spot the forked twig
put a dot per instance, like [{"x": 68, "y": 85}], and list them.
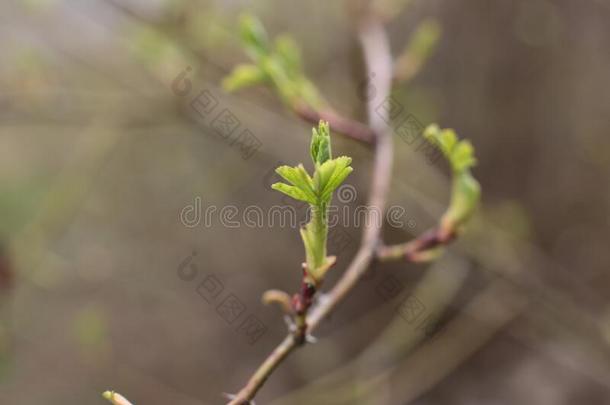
[{"x": 378, "y": 59}]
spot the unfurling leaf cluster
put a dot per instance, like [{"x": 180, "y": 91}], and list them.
[
  {"x": 275, "y": 63},
  {"x": 466, "y": 191},
  {"x": 317, "y": 190}
]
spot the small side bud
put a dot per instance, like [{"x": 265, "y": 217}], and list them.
[
  {"x": 320, "y": 143},
  {"x": 278, "y": 297},
  {"x": 116, "y": 398}
]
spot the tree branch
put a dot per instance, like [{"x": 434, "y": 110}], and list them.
[
  {"x": 378, "y": 61},
  {"x": 340, "y": 124},
  {"x": 420, "y": 249}
]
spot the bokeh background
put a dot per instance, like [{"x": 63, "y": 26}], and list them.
[{"x": 103, "y": 286}]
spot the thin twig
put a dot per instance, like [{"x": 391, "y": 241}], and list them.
[
  {"x": 340, "y": 124},
  {"x": 420, "y": 249},
  {"x": 378, "y": 61}
]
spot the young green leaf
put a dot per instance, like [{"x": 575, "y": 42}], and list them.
[
  {"x": 299, "y": 178},
  {"x": 463, "y": 156},
  {"x": 424, "y": 39},
  {"x": 293, "y": 191},
  {"x": 254, "y": 36},
  {"x": 466, "y": 190},
  {"x": 464, "y": 199},
  {"x": 288, "y": 52},
  {"x": 460, "y": 154},
  {"x": 418, "y": 50},
  {"x": 341, "y": 171},
  {"x": 243, "y": 76}
]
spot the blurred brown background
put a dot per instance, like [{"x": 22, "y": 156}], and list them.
[{"x": 99, "y": 287}]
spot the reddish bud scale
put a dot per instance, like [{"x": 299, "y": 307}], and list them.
[{"x": 301, "y": 302}]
